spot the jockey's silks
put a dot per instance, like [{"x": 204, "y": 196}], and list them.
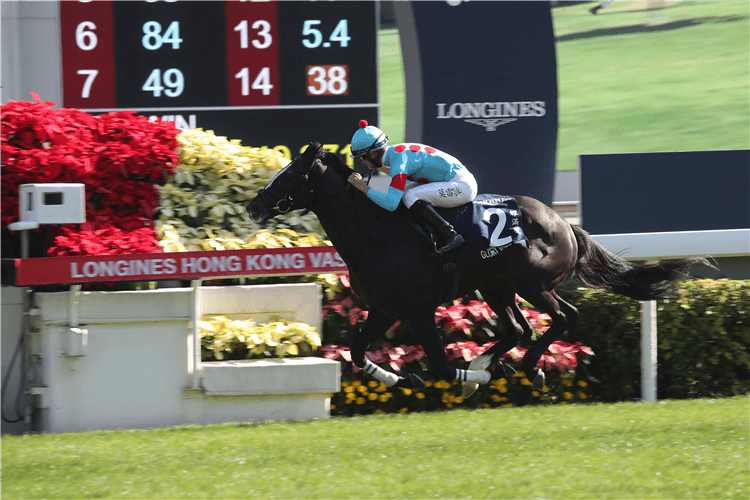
[{"x": 413, "y": 162}]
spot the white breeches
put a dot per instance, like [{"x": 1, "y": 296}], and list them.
[{"x": 459, "y": 190}]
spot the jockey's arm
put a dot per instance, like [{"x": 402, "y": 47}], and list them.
[
  {"x": 388, "y": 200},
  {"x": 391, "y": 199}
]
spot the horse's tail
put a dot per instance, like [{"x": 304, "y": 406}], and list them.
[{"x": 597, "y": 267}]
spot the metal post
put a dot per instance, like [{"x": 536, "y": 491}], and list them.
[
  {"x": 195, "y": 314},
  {"x": 74, "y": 303},
  {"x": 26, "y": 337},
  {"x": 24, "y": 244},
  {"x": 648, "y": 351}
]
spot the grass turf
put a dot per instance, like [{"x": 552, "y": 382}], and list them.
[
  {"x": 635, "y": 78},
  {"x": 671, "y": 449}
]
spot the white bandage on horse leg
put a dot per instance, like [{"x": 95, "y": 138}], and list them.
[
  {"x": 477, "y": 376},
  {"x": 387, "y": 378}
]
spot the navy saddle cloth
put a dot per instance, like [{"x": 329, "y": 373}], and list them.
[{"x": 489, "y": 224}]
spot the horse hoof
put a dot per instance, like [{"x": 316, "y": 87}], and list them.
[
  {"x": 411, "y": 381},
  {"x": 416, "y": 381},
  {"x": 481, "y": 362},
  {"x": 468, "y": 389},
  {"x": 508, "y": 371},
  {"x": 538, "y": 381}
]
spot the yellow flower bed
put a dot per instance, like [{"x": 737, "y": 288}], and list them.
[
  {"x": 362, "y": 396},
  {"x": 202, "y": 207},
  {"x": 226, "y": 338}
]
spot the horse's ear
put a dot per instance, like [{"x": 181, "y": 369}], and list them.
[
  {"x": 321, "y": 150},
  {"x": 312, "y": 149}
]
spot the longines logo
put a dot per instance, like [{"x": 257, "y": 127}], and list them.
[{"x": 491, "y": 115}]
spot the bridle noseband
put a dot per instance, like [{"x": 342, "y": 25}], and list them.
[{"x": 286, "y": 203}]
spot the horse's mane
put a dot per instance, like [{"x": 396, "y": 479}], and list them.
[{"x": 332, "y": 160}]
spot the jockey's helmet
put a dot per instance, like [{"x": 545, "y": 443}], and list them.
[{"x": 366, "y": 139}]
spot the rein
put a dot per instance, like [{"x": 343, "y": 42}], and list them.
[{"x": 286, "y": 203}]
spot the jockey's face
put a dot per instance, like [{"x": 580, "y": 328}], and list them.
[{"x": 373, "y": 160}]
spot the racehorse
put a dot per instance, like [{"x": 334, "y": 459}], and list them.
[{"x": 391, "y": 269}]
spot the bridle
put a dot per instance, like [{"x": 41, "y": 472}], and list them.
[{"x": 286, "y": 203}]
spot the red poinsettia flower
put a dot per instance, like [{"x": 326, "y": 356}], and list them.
[{"x": 119, "y": 157}]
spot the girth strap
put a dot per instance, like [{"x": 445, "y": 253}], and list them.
[{"x": 449, "y": 282}]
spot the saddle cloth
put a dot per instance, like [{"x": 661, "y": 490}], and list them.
[{"x": 489, "y": 225}]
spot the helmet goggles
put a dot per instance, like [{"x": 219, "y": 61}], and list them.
[{"x": 366, "y": 139}]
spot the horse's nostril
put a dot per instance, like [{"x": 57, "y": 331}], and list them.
[{"x": 254, "y": 208}]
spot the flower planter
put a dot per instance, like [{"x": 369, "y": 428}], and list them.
[
  {"x": 263, "y": 389},
  {"x": 262, "y": 377}
]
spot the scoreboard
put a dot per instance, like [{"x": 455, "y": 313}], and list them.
[{"x": 273, "y": 74}]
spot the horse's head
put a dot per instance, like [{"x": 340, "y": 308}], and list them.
[{"x": 290, "y": 189}]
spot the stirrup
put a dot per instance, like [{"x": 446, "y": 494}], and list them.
[{"x": 454, "y": 241}]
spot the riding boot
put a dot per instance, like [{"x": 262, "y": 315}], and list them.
[{"x": 452, "y": 239}]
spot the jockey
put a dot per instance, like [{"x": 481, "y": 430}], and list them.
[{"x": 421, "y": 176}]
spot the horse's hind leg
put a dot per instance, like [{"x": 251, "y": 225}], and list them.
[
  {"x": 502, "y": 300},
  {"x": 563, "y": 317}
]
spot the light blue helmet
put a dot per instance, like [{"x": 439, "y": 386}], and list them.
[{"x": 366, "y": 139}]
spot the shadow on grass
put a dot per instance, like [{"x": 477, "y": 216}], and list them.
[{"x": 643, "y": 28}]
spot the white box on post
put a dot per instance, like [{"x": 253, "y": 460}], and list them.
[
  {"x": 74, "y": 342},
  {"x": 54, "y": 203}
]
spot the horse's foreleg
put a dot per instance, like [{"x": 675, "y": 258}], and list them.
[
  {"x": 502, "y": 300},
  {"x": 426, "y": 330},
  {"x": 374, "y": 326}
]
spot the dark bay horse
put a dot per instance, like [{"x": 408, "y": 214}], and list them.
[{"x": 391, "y": 269}]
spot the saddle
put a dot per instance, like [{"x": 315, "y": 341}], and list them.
[{"x": 489, "y": 225}]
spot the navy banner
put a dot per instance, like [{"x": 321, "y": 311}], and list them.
[
  {"x": 481, "y": 84},
  {"x": 665, "y": 192}
]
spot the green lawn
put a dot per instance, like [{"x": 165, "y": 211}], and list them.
[
  {"x": 633, "y": 78},
  {"x": 695, "y": 449}
]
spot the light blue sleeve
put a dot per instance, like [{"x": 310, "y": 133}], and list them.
[{"x": 388, "y": 200}]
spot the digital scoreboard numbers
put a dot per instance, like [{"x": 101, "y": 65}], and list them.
[
  {"x": 88, "y": 55},
  {"x": 332, "y": 53},
  {"x": 275, "y": 74},
  {"x": 252, "y": 42},
  {"x": 169, "y": 54}
]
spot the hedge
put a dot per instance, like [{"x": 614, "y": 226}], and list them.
[{"x": 703, "y": 340}]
